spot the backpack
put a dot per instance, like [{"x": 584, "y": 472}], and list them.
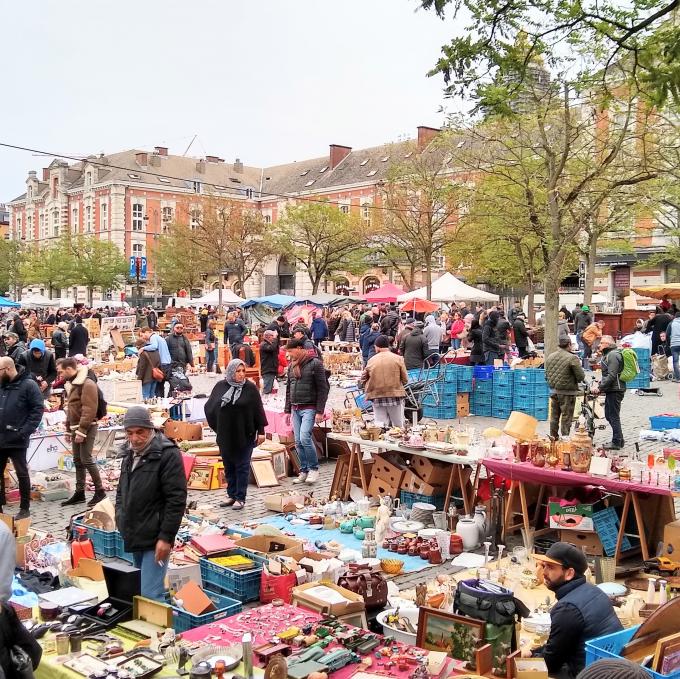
[
  {"x": 631, "y": 369},
  {"x": 101, "y": 404}
]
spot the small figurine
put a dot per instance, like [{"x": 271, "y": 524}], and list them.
[
  {"x": 421, "y": 594},
  {"x": 383, "y": 522}
]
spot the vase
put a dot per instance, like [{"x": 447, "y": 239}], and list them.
[{"x": 469, "y": 532}]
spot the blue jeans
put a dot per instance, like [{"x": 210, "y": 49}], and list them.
[
  {"x": 153, "y": 575},
  {"x": 210, "y": 359},
  {"x": 237, "y": 471},
  {"x": 455, "y": 343},
  {"x": 675, "y": 353},
  {"x": 148, "y": 390},
  {"x": 268, "y": 382},
  {"x": 303, "y": 423}
]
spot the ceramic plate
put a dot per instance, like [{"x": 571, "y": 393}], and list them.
[
  {"x": 425, "y": 506},
  {"x": 613, "y": 588},
  {"x": 403, "y": 526}
]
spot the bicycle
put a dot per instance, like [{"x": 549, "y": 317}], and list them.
[{"x": 588, "y": 409}]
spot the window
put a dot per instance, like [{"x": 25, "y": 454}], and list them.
[
  {"x": 88, "y": 218},
  {"x": 163, "y": 180},
  {"x": 197, "y": 187},
  {"x": 310, "y": 182},
  {"x": 88, "y": 178},
  {"x": 74, "y": 219},
  {"x": 363, "y": 162},
  {"x": 137, "y": 217},
  {"x": 29, "y": 226},
  {"x": 18, "y": 227},
  {"x": 55, "y": 223},
  {"x": 137, "y": 250},
  {"x": 302, "y": 174},
  {"x": 249, "y": 193},
  {"x": 366, "y": 213},
  {"x": 267, "y": 219},
  {"x": 371, "y": 173},
  {"x": 344, "y": 209},
  {"x": 134, "y": 175},
  {"x": 103, "y": 216},
  {"x": 167, "y": 214},
  {"x": 195, "y": 219},
  {"x": 323, "y": 169},
  {"x": 30, "y": 193},
  {"x": 41, "y": 223}
]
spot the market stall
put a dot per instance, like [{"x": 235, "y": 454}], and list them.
[{"x": 448, "y": 288}]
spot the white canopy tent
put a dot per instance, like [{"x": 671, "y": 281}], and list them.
[
  {"x": 448, "y": 288},
  {"x": 568, "y": 299},
  {"x": 228, "y": 297},
  {"x": 36, "y": 300}
]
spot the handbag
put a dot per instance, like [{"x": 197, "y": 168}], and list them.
[
  {"x": 22, "y": 665},
  {"x": 372, "y": 586},
  {"x": 274, "y": 586},
  {"x": 157, "y": 374},
  {"x": 488, "y": 602}
]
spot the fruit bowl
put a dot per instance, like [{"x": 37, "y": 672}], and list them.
[{"x": 391, "y": 566}]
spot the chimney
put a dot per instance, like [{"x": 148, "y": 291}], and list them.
[
  {"x": 161, "y": 150},
  {"x": 200, "y": 166},
  {"x": 32, "y": 174},
  {"x": 214, "y": 159},
  {"x": 142, "y": 158},
  {"x": 46, "y": 174},
  {"x": 426, "y": 135},
  {"x": 338, "y": 153},
  {"x": 238, "y": 166},
  {"x": 155, "y": 160}
]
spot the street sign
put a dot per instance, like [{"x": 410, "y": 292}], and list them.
[
  {"x": 581, "y": 275},
  {"x": 133, "y": 267}
]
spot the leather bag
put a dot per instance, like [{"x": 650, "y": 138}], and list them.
[
  {"x": 157, "y": 374},
  {"x": 372, "y": 586},
  {"x": 489, "y": 602}
]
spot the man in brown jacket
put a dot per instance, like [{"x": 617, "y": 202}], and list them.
[
  {"x": 384, "y": 379},
  {"x": 591, "y": 340},
  {"x": 81, "y": 427}
]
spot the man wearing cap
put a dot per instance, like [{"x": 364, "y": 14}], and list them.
[
  {"x": 521, "y": 333},
  {"x": 563, "y": 372},
  {"x": 582, "y": 611},
  {"x": 384, "y": 379},
  {"x": 40, "y": 363},
  {"x": 150, "y": 500},
  {"x": 613, "y": 388}
]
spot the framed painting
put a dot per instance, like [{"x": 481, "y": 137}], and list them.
[{"x": 456, "y": 635}]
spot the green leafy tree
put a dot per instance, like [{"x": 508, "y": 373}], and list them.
[
  {"x": 590, "y": 41},
  {"x": 180, "y": 262},
  {"x": 13, "y": 255},
  {"x": 98, "y": 264},
  {"x": 52, "y": 265},
  {"x": 321, "y": 238}
]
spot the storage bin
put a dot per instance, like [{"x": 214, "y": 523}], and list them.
[
  {"x": 661, "y": 422},
  {"x": 226, "y": 606},
  {"x": 407, "y": 499},
  {"x": 529, "y": 376},
  {"x": 105, "y": 542},
  {"x": 440, "y": 412},
  {"x": 483, "y": 372},
  {"x": 242, "y": 585},
  {"x": 481, "y": 409},
  {"x": 502, "y": 377}
]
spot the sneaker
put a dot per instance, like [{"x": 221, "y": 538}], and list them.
[
  {"x": 98, "y": 496},
  {"x": 302, "y": 477},
  {"x": 313, "y": 476},
  {"x": 227, "y": 503},
  {"x": 238, "y": 505},
  {"x": 22, "y": 514},
  {"x": 75, "y": 499}
]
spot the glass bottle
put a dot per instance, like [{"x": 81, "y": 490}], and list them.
[{"x": 369, "y": 547}]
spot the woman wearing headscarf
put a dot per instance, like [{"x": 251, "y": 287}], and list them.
[{"x": 235, "y": 412}]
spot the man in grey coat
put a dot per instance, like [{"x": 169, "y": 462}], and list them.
[{"x": 613, "y": 388}]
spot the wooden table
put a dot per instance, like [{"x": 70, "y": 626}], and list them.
[
  {"x": 457, "y": 462},
  {"x": 521, "y": 474}
]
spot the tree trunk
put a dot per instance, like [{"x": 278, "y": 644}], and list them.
[
  {"x": 591, "y": 258},
  {"x": 90, "y": 295},
  {"x": 551, "y": 289},
  {"x": 530, "y": 302},
  {"x": 428, "y": 276},
  {"x": 315, "y": 284}
]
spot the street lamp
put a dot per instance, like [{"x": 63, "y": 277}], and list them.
[{"x": 155, "y": 235}]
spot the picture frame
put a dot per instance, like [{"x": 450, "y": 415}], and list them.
[
  {"x": 667, "y": 654},
  {"x": 280, "y": 464},
  {"x": 263, "y": 471},
  {"x": 458, "y": 636}
]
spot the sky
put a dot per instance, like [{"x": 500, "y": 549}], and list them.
[{"x": 267, "y": 81}]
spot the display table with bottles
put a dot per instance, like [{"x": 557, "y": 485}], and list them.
[{"x": 652, "y": 502}]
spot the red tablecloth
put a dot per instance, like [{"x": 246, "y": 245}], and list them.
[
  {"x": 525, "y": 471},
  {"x": 459, "y": 360}
]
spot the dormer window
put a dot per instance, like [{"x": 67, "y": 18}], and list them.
[
  {"x": 88, "y": 178},
  {"x": 30, "y": 193}
]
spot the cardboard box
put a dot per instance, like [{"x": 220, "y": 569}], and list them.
[
  {"x": 378, "y": 488},
  {"x": 389, "y": 469},
  {"x": 183, "y": 431},
  {"x": 589, "y": 542},
  {"x": 671, "y": 539},
  {"x": 431, "y": 471},
  {"x": 177, "y": 576},
  {"x": 309, "y": 596},
  {"x": 195, "y": 600},
  {"x": 414, "y": 484},
  {"x": 462, "y": 405},
  {"x": 283, "y": 502},
  {"x": 268, "y": 544},
  {"x": 576, "y": 517},
  {"x": 530, "y": 668}
]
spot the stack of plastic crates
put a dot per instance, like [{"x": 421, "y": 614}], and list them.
[
  {"x": 482, "y": 390},
  {"x": 224, "y": 607},
  {"x": 501, "y": 402},
  {"x": 531, "y": 393},
  {"x": 643, "y": 379},
  {"x": 104, "y": 542},
  {"x": 444, "y": 407},
  {"x": 464, "y": 378},
  {"x": 241, "y": 585}
]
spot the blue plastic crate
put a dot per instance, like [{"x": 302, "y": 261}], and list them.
[
  {"x": 465, "y": 373},
  {"x": 502, "y": 389},
  {"x": 643, "y": 354},
  {"x": 482, "y": 398},
  {"x": 242, "y": 585},
  {"x": 440, "y": 412},
  {"x": 105, "y": 542},
  {"x": 640, "y": 382},
  {"x": 502, "y": 378},
  {"x": 481, "y": 409},
  {"x": 406, "y": 499},
  {"x": 225, "y": 606},
  {"x": 611, "y": 645},
  {"x": 450, "y": 373},
  {"x": 120, "y": 549},
  {"x": 450, "y": 388},
  {"x": 501, "y": 401},
  {"x": 529, "y": 376},
  {"x": 482, "y": 386},
  {"x": 464, "y": 386},
  {"x": 501, "y": 413},
  {"x": 606, "y": 523},
  {"x": 661, "y": 422},
  {"x": 541, "y": 414},
  {"x": 539, "y": 389},
  {"x": 523, "y": 400}
]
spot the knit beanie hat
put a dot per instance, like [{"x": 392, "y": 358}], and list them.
[
  {"x": 613, "y": 669},
  {"x": 137, "y": 416}
]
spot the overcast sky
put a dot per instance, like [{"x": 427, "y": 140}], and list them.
[{"x": 268, "y": 81}]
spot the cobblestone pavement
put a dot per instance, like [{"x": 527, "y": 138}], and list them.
[{"x": 636, "y": 411}]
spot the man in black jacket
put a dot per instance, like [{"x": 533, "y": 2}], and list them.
[
  {"x": 269, "y": 360},
  {"x": 19, "y": 328},
  {"x": 521, "y": 334},
  {"x": 150, "y": 500},
  {"x": 390, "y": 323},
  {"x": 613, "y": 388},
  {"x": 40, "y": 364},
  {"x": 180, "y": 348},
  {"x": 21, "y": 409},
  {"x": 78, "y": 339},
  {"x": 15, "y": 347},
  {"x": 582, "y": 611},
  {"x": 306, "y": 397}
]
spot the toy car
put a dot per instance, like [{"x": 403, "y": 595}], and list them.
[{"x": 661, "y": 565}]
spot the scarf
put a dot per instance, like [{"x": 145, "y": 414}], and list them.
[{"x": 233, "y": 393}]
